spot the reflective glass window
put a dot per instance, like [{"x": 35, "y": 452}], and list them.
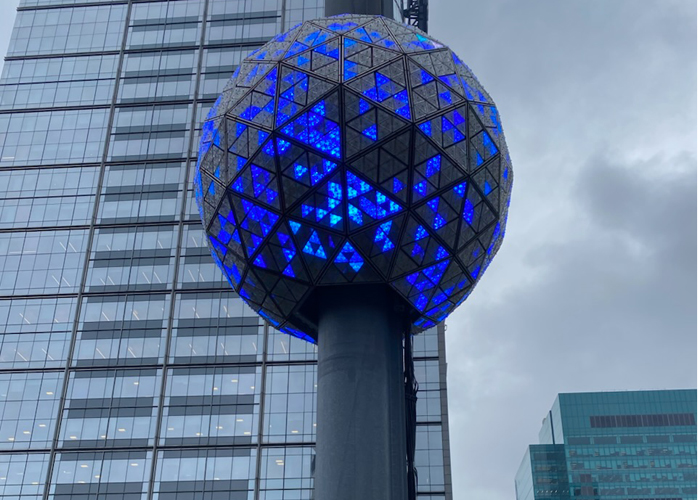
[
  {"x": 110, "y": 409},
  {"x": 35, "y": 332},
  {"x": 23, "y": 475},
  {"x": 299, "y": 11},
  {"x": 429, "y": 458},
  {"x": 150, "y": 132},
  {"x": 218, "y": 66},
  {"x": 29, "y": 405},
  {"x": 290, "y": 404},
  {"x": 42, "y": 95},
  {"x": 283, "y": 347},
  {"x": 49, "y": 137},
  {"x": 158, "y": 76},
  {"x": 47, "y": 197},
  {"x": 150, "y": 192},
  {"x": 122, "y": 330},
  {"x": 286, "y": 473},
  {"x": 215, "y": 327},
  {"x": 68, "y": 30},
  {"x": 42, "y": 261},
  {"x": 426, "y": 344},
  {"x": 211, "y": 406},
  {"x": 60, "y": 69},
  {"x": 197, "y": 268},
  {"x": 100, "y": 475},
  {"x": 132, "y": 258},
  {"x": 201, "y": 473},
  {"x": 165, "y": 24}
]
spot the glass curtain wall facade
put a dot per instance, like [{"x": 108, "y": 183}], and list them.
[
  {"x": 128, "y": 368},
  {"x": 637, "y": 445}
]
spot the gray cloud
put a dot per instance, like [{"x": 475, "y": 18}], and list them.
[{"x": 595, "y": 285}]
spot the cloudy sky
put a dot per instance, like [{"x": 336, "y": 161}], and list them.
[{"x": 595, "y": 286}]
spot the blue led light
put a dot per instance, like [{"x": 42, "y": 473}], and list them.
[
  {"x": 348, "y": 255},
  {"x": 371, "y": 132},
  {"x": 314, "y": 247},
  {"x": 381, "y": 237},
  {"x": 468, "y": 213}
]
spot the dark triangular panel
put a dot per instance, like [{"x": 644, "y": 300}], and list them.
[
  {"x": 318, "y": 127},
  {"x": 317, "y": 247},
  {"x": 367, "y": 203},
  {"x": 374, "y": 32},
  {"x": 324, "y": 206},
  {"x": 380, "y": 243}
]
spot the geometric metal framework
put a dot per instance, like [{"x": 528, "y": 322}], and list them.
[{"x": 353, "y": 150}]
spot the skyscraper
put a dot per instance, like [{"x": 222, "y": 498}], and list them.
[
  {"x": 128, "y": 368},
  {"x": 614, "y": 445}
]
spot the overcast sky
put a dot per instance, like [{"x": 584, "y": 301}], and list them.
[{"x": 595, "y": 286}]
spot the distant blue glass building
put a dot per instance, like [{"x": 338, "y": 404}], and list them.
[{"x": 637, "y": 445}]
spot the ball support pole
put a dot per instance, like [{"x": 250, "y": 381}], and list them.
[{"x": 361, "y": 423}]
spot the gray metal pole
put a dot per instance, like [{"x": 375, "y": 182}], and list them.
[
  {"x": 360, "y": 424},
  {"x": 381, "y": 7}
]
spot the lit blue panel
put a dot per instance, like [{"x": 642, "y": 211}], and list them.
[{"x": 348, "y": 255}]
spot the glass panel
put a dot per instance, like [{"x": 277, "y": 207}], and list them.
[
  {"x": 23, "y": 475},
  {"x": 68, "y": 30},
  {"x": 201, "y": 473},
  {"x": 286, "y": 473},
  {"x": 42, "y": 261},
  {"x": 94, "y": 475},
  {"x": 35, "y": 332},
  {"x": 290, "y": 404},
  {"x": 211, "y": 406},
  {"x": 122, "y": 330},
  {"x": 150, "y": 192},
  {"x": 47, "y": 197},
  {"x": 29, "y": 405},
  {"x": 140, "y": 258},
  {"x": 215, "y": 327},
  {"x": 52, "y": 137},
  {"x": 108, "y": 409}
]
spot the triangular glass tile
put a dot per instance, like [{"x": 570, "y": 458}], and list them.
[
  {"x": 318, "y": 127},
  {"x": 438, "y": 214},
  {"x": 284, "y": 255},
  {"x": 418, "y": 248},
  {"x": 433, "y": 174},
  {"x": 482, "y": 149},
  {"x": 250, "y": 73},
  {"x": 367, "y": 124},
  {"x": 374, "y": 32},
  {"x": 297, "y": 89},
  {"x": 243, "y": 142},
  {"x": 367, "y": 203},
  {"x": 316, "y": 246},
  {"x": 386, "y": 86},
  {"x": 380, "y": 243},
  {"x": 448, "y": 131},
  {"x": 340, "y": 24},
  {"x": 476, "y": 215},
  {"x": 412, "y": 40},
  {"x": 325, "y": 205},
  {"x": 256, "y": 222},
  {"x": 360, "y": 58},
  {"x": 258, "y": 183},
  {"x": 311, "y": 36}
]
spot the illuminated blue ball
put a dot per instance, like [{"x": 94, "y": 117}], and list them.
[{"x": 353, "y": 150}]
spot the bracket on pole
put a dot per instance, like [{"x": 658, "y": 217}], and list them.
[{"x": 416, "y": 14}]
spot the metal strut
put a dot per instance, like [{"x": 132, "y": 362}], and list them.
[
  {"x": 416, "y": 14},
  {"x": 411, "y": 390}
]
